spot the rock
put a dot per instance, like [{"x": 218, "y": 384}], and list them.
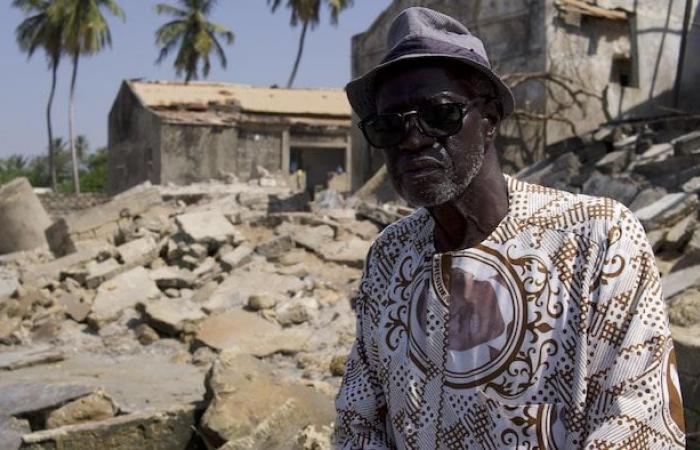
[
  {"x": 680, "y": 233},
  {"x": 255, "y": 200},
  {"x": 11, "y": 432},
  {"x": 254, "y": 408},
  {"x": 206, "y": 227},
  {"x": 77, "y": 304},
  {"x": 677, "y": 282},
  {"x": 276, "y": 247},
  {"x": 692, "y": 186},
  {"x": 99, "y": 272},
  {"x": 628, "y": 142},
  {"x": 352, "y": 253},
  {"x": 600, "y": 185},
  {"x": 146, "y": 335},
  {"x": 670, "y": 165},
  {"x": 239, "y": 256},
  {"x": 174, "y": 316},
  {"x": 139, "y": 252},
  {"x": 292, "y": 257},
  {"x": 19, "y": 359},
  {"x": 296, "y": 311},
  {"x": 172, "y": 277},
  {"x": 555, "y": 173},
  {"x": 9, "y": 282},
  {"x": 688, "y": 144},
  {"x": 311, "y": 238},
  {"x": 123, "y": 291},
  {"x": 647, "y": 197},
  {"x": 299, "y": 270},
  {"x": 23, "y": 399},
  {"x": 313, "y": 438},
  {"x": 41, "y": 275},
  {"x": 658, "y": 152},
  {"x": 337, "y": 366},
  {"x": 363, "y": 228},
  {"x": 157, "y": 430},
  {"x": 206, "y": 270},
  {"x": 259, "y": 302},
  {"x": 691, "y": 252},
  {"x": 22, "y": 217},
  {"x": 667, "y": 211},
  {"x": 246, "y": 332},
  {"x": 204, "y": 356},
  {"x": 93, "y": 407},
  {"x": 684, "y": 309},
  {"x": 614, "y": 162},
  {"x": 99, "y": 222}
]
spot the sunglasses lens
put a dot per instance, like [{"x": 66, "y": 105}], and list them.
[
  {"x": 385, "y": 130},
  {"x": 441, "y": 120}
]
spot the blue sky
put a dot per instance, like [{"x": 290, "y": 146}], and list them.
[{"x": 262, "y": 54}]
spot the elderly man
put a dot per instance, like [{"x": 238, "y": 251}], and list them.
[{"x": 500, "y": 314}]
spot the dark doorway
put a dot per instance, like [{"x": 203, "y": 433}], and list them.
[{"x": 318, "y": 163}]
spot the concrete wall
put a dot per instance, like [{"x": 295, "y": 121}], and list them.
[
  {"x": 258, "y": 146},
  {"x": 133, "y": 142},
  {"x": 690, "y": 94},
  {"x": 585, "y": 54},
  {"x": 513, "y": 33}
]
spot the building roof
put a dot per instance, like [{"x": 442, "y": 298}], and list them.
[
  {"x": 587, "y": 9},
  {"x": 226, "y": 103}
]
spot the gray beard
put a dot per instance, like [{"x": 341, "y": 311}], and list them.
[{"x": 448, "y": 189}]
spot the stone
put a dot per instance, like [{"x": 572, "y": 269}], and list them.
[
  {"x": 259, "y": 302},
  {"x": 293, "y": 257},
  {"x": 313, "y": 438},
  {"x": 275, "y": 247},
  {"x": 667, "y": 211},
  {"x": 41, "y": 275},
  {"x": 23, "y": 218},
  {"x": 11, "y": 432},
  {"x": 658, "y": 152},
  {"x": 626, "y": 142},
  {"x": 100, "y": 222},
  {"x": 296, "y": 311},
  {"x": 352, "y": 253},
  {"x": 255, "y": 200},
  {"x": 174, "y": 316},
  {"x": 679, "y": 234},
  {"x": 168, "y": 429},
  {"x": 337, "y": 366},
  {"x": 363, "y": 228},
  {"x": 688, "y": 144},
  {"x": 677, "y": 282},
  {"x": 205, "y": 271},
  {"x": 670, "y": 165},
  {"x": 123, "y": 291},
  {"x": 146, "y": 335},
  {"x": 254, "y": 408},
  {"x": 9, "y": 282},
  {"x": 646, "y": 197},
  {"x": 239, "y": 256},
  {"x": 692, "y": 186},
  {"x": 299, "y": 270},
  {"x": 684, "y": 309},
  {"x": 19, "y": 359},
  {"x": 139, "y": 252},
  {"x": 246, "y": 332},
  {"x": 99, "y": 272},
  {"x": 600, "y": 185},
  {"x": 204, "y": 356},
  {"x": 205, "y": 227},
  {"x": 311, "y": 238},
  {"x": 23, "y": 399},
  {"x": 172, "y": 277},
  {"x": 614, "y": 162},
  {"x": 556, "y": 172},
  {"x": 93, "y": 407},
  {"x": 77, "y": 304}
]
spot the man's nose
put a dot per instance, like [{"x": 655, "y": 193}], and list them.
[{"x": 415, "y": 139}]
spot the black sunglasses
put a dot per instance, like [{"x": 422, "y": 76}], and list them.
[{"x": 436, "y": 121}]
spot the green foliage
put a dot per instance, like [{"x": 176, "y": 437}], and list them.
[
  {"x": 93, "y": 168},
  {"x": 86, "y": 30},
  {"x": 195, "y": 36}
]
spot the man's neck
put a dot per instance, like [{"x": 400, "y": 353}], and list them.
[{"x": 468, "y": 220}]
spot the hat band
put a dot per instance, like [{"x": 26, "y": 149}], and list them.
[{"x": 426, "y": 45}]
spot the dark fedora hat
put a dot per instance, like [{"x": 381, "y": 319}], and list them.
[{"x": 418, "y": 33}]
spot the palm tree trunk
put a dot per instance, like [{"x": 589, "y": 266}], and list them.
[
  {"x": 71, "y": 120},
  {"x": 299, "y": 53},
  {"x": 52, "y": 168}
]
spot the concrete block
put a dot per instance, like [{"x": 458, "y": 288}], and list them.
[
  {"x": 239, "y": 256},
  {"x": 688, "y": 144},
  {"x": 23, "y": 220},
  {"x": 11, "y": 432},
  {"x": 668, "y": 210},
  {"x": 206, "y": 227},
  {"x": 123, "y": 291},
  {"x": 677, "y": 282},
  {"x": 614, "y": 162},
  {"x": 19, "y": 359},
  {"x": 174, "y": 316},
  {"x": 41, "y": 275},
  {"x": 172, "y": 277},
  {"x": 275, "y": 247},
  {"x": 138, "y": 252}
]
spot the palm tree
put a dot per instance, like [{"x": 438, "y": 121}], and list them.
[
  {"x": 43, "y": 29},
  {"x": 195, "y": 35},
  {"x": 308, "y": 12},
  {"x": 86, "y": 33}
]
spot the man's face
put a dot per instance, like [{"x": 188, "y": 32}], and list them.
[{"x": 430, "y": 171}]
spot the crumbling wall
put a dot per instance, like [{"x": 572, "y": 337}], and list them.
[{"x": 258, "y": 147}]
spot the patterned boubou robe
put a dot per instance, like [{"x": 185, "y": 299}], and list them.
[{"x": 550, "y": 334}]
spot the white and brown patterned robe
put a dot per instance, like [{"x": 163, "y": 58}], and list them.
[{"x": 551, "y": 333}]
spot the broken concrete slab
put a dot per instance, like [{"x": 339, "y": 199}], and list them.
[
  {"x": 259, "y": 302},
  {"x": 688, "y": 144},
  {"x": 9, "y": 282},
  {"x": 255, "y": 200},
  {"x": 296, "y": 311},
  {"x": 172, "y": 277},
  {"x": 614, "y": 162},
  {"x": 684, "y": 309},
  {"x": 600, "y": 185},
  {"x": 352, "y": 253},
  {"x": 679, "y": 234},
  {"x": 157, "y": 430},
  {"x": 668, "y": 210},
  {"x": 99, "y": 272},
  {"x": 19, "y": 359},
  {"x": 23, "y": 218},
  {"x": 77, "y": 304},
  {"x": 646, "y": 197},
  {"x": 41, "y": 275},
  {"x": 239, "y": 256},
  {"x": 93, "y": 407},
  {"x": 692, "y": 186},
  {"x": 174, "y": 316},
  {"x": 123, "y": 291},
  {"x": 11, "y": 432},
  {"x": 252, "y": 407},
  {"x": 100, "y": 222},
  {"x": 24, "y": 399},
  {"x": 247, "y": 332},
  {"x": 206, "y": 227},
  {"x": 139, "y": 252},
  {"x": 677, "y": 282},
  {"x": 275, "y": 247}
]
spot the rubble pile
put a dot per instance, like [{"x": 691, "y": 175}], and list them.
[
  {"x": 216, "y": 315},
  {"x": 655, "y": 171}
]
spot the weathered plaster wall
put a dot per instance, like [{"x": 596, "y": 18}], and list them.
[
  {"x": 255, "y": 147},
  {"x": 133, "y": 142},
  {"x": 191, "y": 153},
  {"x": 585, "y": 54},
  {"x": 690, "y": 93}
]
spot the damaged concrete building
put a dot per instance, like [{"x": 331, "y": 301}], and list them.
[
  {"x": 166, "y": 132},
  {"x": 573, "y": 64}
]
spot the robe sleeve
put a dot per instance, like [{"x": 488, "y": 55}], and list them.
[
  {"x": 633, "y": 394},
  {"x": 360, "y": 404}
]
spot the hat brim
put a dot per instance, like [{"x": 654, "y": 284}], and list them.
[{"x": 360, "y": 91}]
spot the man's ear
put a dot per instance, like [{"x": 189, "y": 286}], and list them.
[{"x": 492, "y": 112}]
